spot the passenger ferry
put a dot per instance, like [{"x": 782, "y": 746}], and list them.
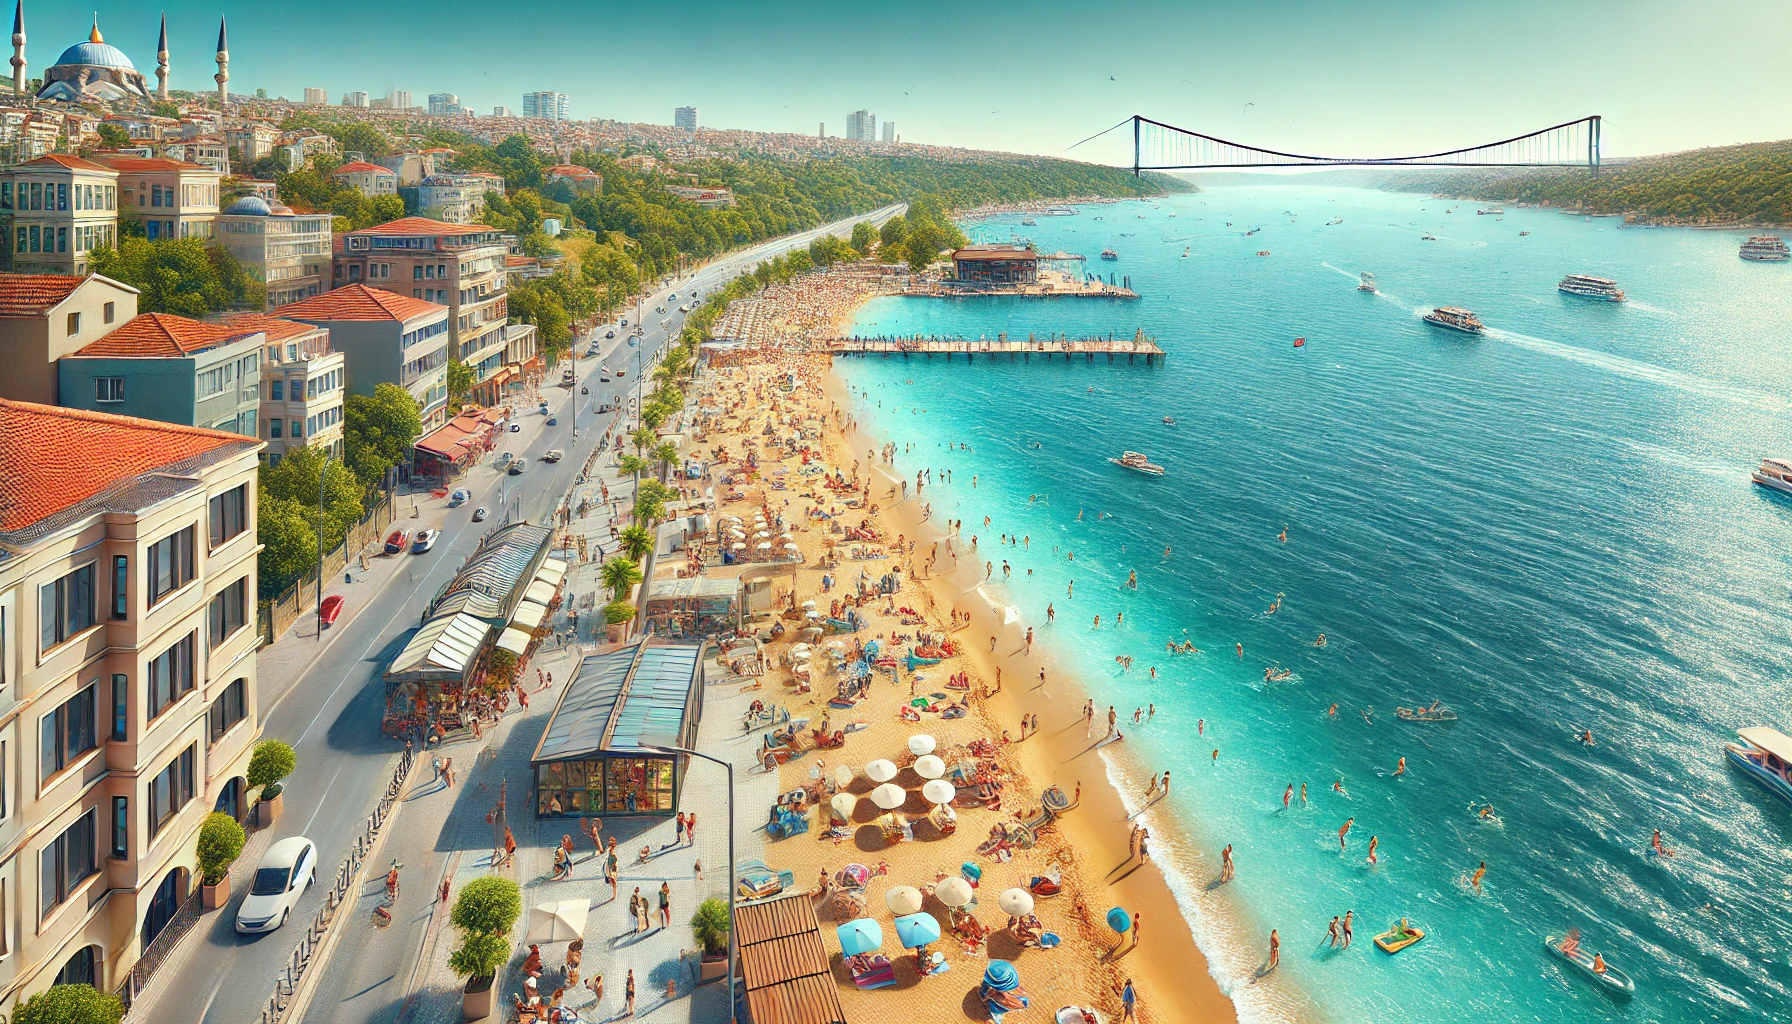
[
  {"x": 1766, "y": 755},
  {"x": 1775, "y": 474},
  {"x": 1766, "y": 249},
  {"x": 1455, "y": 319},
  {"x": 1588, "y": 287},
  {"x": 1138, "y": 462},
  {"x": 1109, "y": 254},
  {"x": 1367, "y": 283}
]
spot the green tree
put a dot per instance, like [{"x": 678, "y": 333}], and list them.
[
  {"x": 617, "y": 612},
  {"x": 637, "y": 541},
  {"x": 182, "y": 276},
  {"x": 864, "y": 236},
  {"x": 296, "y": 480},
  {"x": 287, "y": 531},
  {"x": 221, "y": 840},
  {"x": 484, "y": 912},
  {"x": 70, "y": 1004},
  {"x": 112, "y": 136},
  {"x": 650, "y": 501},
  {"x": 710, "y": 925},
  {"x": 653, "y": 416},
  {"x": 500, "y": 667},
  {"x": 666, "y": 454},
  {"x": 378, "y": 430},
  {"x": 271, "y": 761},
  {"x": 894, "y": 231},
  {"x": 619, "y": 575},
  {"x": 643, "y": 437},
  {"x": 461, "y": 379}
]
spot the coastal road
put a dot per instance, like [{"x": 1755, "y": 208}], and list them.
[{"x": 331, "y": 714}]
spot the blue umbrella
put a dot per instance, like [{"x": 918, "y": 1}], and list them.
[
  {"x": 1001, "y": 976},
  {"x": 861, "y": 936},
  {"x": 1119, "y": 919},
  {"x": 917, "y": 930}
]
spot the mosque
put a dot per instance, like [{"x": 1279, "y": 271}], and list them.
[{"x": 95, "y": 71}]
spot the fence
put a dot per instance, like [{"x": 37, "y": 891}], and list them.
[
  {"x": 277, "y": 615},
  {"x": 341, "y": 893}
]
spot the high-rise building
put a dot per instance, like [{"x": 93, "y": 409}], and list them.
[
  {"x": 551, "y": 105},
  {"x": 861, "y": 125},
  {"x": 686, "y": 118},
  {"x": 821, "y": 130},
  {"x": 503, "y": 112},
  {"x": 317, "y": 97},
  {"x": 889, "y": 131},
  {"x": 398, "y": 99},
  {"x": 354, "y": 99},
  {"x": 444, "y": 103}
]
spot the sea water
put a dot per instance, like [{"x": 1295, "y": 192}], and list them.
[{"x": 1549, "y": 528}]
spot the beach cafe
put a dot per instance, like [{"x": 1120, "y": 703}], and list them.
[
  {"x": 693, "y": 606},
  {"x": 591, "y": 760}
]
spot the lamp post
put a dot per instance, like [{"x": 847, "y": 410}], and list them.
[
  {"x": 323, "y": 474},
  {"x": 729, "y": 768}
]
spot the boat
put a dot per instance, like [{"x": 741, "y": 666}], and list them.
[
  {"x": 1185, "y": 250},
  {"x": 1334, "y": 221},
  {"x": 1455, "y": 319},
  {"x": 1029, "y": 223},
  {"x": 1398, "y": 938},
  {"x": 1169, "y": 421},
  {"x": 1136, "y": 461},
  {"x": 1614, "y": 982},
  {"x": 1109, "y": 254},
  {"x": 1491, "y": 211},
  {"x": 1428, "y": 237},
  {"x": 1766, "y": 755},
  {"x": 1765, "y": 249},
  {"x": 1300, "y": 343},
  {"x": 1435, "y": 713},
  {"x": 1589, "y": 287},
  {"x": 1775, "y": 474},
  {"x": 1367, "y": 284},
  {"x": 1263, "y": 252}
]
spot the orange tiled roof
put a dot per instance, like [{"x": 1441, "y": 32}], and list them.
[
  {"x": 570, "y": 171},
  {"x": 34, "y": 294},
  {"x": 162, "y": 336},
  {"x": 359, "y": 302},
  {"x": 39, "y": 479},
  {"x": 274, "y": 327},
  {"x": 147, "y": 164},
  {"x": 423, "y": 226},
  {"x": 73, "y": 163},
  {"x": 362, "y": 167}
]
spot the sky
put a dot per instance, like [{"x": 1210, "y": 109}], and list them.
[{"x": 1362, "y": 77}]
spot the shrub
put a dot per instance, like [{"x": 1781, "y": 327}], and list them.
[
  {"x": 500, "y": 666},
  {"x": 479, "y": 956},
  {"x": 619, "y": 611},
  {"x": 709, "y": 925},
  {"x": 70, "y": 1004},
  {"x": 488, "y": 905},
  {"x": 220, "y": 841},
  {"x": 272, "y": 761}
]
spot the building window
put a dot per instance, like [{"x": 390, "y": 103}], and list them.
[
  {"x": 226, "y": 615},
  {"x": 111, "y": 311},
  {"x": 121, "y": 587},
  {"x": 74, "y": 324},
  {"x": 274, "y": 429},
  {"x": 121, "y": 705},
  {"x": 67, "y": 733},
  {"x": 276, "y": 391},
  {"x": 121, "y": 826},
  {"x": 108, "y": 389},
  {"x": 65, "y": 607},
  {"x": 170, "y": 790},
  {"x": 229, "y": 709},
  {"x": 230, "y": 514},
  {"x": 67, "y": 861},
  {"x": 298, "y": 428},
  {"x": 171, "y": 675},
  {"x": 170, "y": 564}
]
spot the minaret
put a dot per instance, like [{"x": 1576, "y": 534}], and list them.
[
  {"x": 161, "y": 60},
  {"x": 18, "y": 50},
  {"x": 223, "y": 74}
]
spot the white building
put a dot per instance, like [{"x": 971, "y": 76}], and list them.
[
  {"x": 441, "y": 103},
  {"x": 317, "y": 97},
  {"x": 398, "y": 99},
  {"x": 354, "y": 99},
  {"x": 551, "y": 105},
  {"x": 503, "y": 112},
  {"x": 686, "y": 118},
  {"x": 861, "y": 125},
  {"x": 889, "y": 131}
]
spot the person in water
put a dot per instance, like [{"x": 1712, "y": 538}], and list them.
[
  {"x": 1283, "y": 536},
  {"x": 1320, "y": 642},
  {"x": 1374, "y": 841},
  {"x": 1401, "y": 770},
  {"x": 1332, "y": 932},
  {"x": 1586, "y": 737},
  {"x": 1656, "y": 845},
  {"x": 1344, "y": 830},
  {"x": 1287, "y": 796},
  {"x": 1475, "y": 879}
]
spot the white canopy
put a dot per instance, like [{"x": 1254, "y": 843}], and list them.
[
  {"x": 529, "y": 615},
  {"x": 889, "y": 796},
  {"x": 939, "y": 791},
  {"x": 954, "y": 892},
  {"x": 842, "y": 805},
  {"x": 515, "y": 640},
  {"x": 903, "y": 900},
  {"x": 444, "y": 647},
  {"x": 881, "y": 770},
  {"x": 929, "y": 766},
  {"x": 557, "y": 922},
  {"x": 541, "y": 592},
  {"x": 921, "y": 743}
]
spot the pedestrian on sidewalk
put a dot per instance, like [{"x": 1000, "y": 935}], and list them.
[
  {"x": 631, "y": 993},
  {"x": 678, "y": 823},
  {"x": 509, "y": 846},
  {"x": 435, "y": 765},
  {"x": 665, "y": 904},
  {"x": 610, "y": 869},
  {"x": 690, "y": 828},
  {"x": 448, "y": 771},
  {"x": 562, "y": 866},
  {"x": 444, "y": 896}
]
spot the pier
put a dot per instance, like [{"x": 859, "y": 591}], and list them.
[{"x": 1070, "y": 348}]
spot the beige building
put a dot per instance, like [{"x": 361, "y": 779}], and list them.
[
  {"x": 172, "y": 198},
  {"x": 289, "y": 252},
  {"x": 59, "y": 208},
  {"x": 44, "y": 317},
  {"x": 128, "y": 700},
  {"x": 302, "y": 386},
  {"x": 370, "y": 179}
]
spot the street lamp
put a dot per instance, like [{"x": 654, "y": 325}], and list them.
[
  {"x": 647, "y": 743},
  {"x": 323, "y": 474}
]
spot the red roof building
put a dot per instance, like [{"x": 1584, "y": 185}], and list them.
[
  {"x": 163, "y": 336},
  {"x": 359, "y": 302},
  {"x": 44, "y": 317}
]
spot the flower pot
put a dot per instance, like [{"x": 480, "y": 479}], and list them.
[
  {"x": 714, "y": 966},
  {"x": 268, "y": 810},
  {"x": 616, "y": 633},
  {"x": 215, "y": 896},
  {"x": 476, "y": 998}
]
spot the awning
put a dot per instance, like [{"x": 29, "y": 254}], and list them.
[
  {"x": 515, "y": 640},
  {"x": 443, "y": 649},
  {"x": 529, "y": 615},
  {"x": 540, "y": 592},
  {"x": 552, "y": 571}
]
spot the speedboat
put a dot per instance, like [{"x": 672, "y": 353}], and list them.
[
  {"x": 1614, "y": 982},
  {"x": 1521, "y": 234},
  {"x": 1109, "y": 254},
  {"x": 1766, "y": 756},
  {"x": 1455, "y": 319},
  {"x": 1138, "y": 462},
  {"x": 1169, "y": 421},
  {"x": 1367, "y": 283},
  {"x": 1775, "y": 474}
]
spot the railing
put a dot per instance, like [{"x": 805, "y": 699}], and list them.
[
  {"x": 185, "y": 917},
  {"x": 342, "y": 892},
  {"x": 274, "y": 616}
]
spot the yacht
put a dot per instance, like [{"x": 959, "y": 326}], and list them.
[
  {"x": 1589, "y": 287},
  {"x": 1766, "y": 249},
  {"x": 1455, "y": 319},
  {"x": 1138, "y": 462},
  {"x": 1775, "y": 474},
  {"x": 1491, "y": 211},
  {"x": 1368, "y": 283},
  {"x": 1109, "y": 254},
  {"x": 1766, "y": 755}
]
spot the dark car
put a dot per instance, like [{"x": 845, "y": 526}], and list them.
[{"x": 553, "y": 421}]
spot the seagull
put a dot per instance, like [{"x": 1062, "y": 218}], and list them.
[{"x": 1248, "y": 106}]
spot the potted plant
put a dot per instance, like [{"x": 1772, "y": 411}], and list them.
[
  {"x": 500, "y": 668},
  {"x": 617, "y": 615},
  {"x": 272, "y": 761},
  {"x": 70, "y": 1004},
  {"x": 709, "y": 925},
  {"x": 485, "y": 911},
  {"x": 220, "y": 841}
]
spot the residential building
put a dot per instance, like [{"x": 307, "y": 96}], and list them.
[
  {"x": 127, "y": 678},
  {"x": 371, "y": 179},
  {"x": 686, "y": 118},
  {"x": 358, "y": 98},
  {"x": 889, "y": 131},
  {"x": 251, "y": 140},
  {"x": 444, "y": 103},
  {"x": 454, "y": 198},
  {"x": 302, "y": 385},
  {"x": 44, "y": 317},
  {"x": 164, "y": 367},
  {"x": 59, "y": 208},
  {"x": 709, "y": 198},
  {"x": 171, "y": 198},
  {"x": 205, "y": 150},
  {"x": 458, "y": 265},
  {"x": 398, "y": 99},
  {"x": 385, "y": 337},
  {"x": 503, "y": 112},
  {"x": 260, "y": 188},
  {"x": 413, "y": 167},
  {"x": 317, "y": 97},
  {"x": 288, "y": 252},
  {"x": 861, "y": 125},
  {"x": 640, "y": 163},
  {"x": 549, "y": 105},
  {"x": 821, "y": 130},
  {"x": 297, "y": 148},
  {"x": 582, "y": 179}
]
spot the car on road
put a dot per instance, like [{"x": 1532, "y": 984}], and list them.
[
  {"x": 286, "y": 870},
  {"x": 396, "y": 541},
  {"x": 426, "y": 539},
  {"x": 553, "y": 455},
  {"x": 516, "y": 428},
  {"x": 623, "y": 322},
  {"x": 553, "y": 421},
  {"x": 460, "y": 497},
  {"x": 603, "y": 379},
  {"x": 518, "y": 466},
  {"x": 609, "y": 334},
  {"x": 479, "y": 514}
]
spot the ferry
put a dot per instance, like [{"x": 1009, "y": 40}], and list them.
[
  {"x": 1138, "y": 462},
  {"x": 1109, "y": 254},
  {"x": 1455, "y": 319},
  {"x": 1766, "y": 755},
  {"x": 1774, "y": 474},
  {"x": 1491, "y": 211},
  {"x": 1765, "y": 249},
  {"x": 1367, "y": 283},
  {"x": 1588, "y": 287}
]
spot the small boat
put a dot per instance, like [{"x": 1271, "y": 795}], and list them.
[
  {"x": 1614, "y": 982},
  {"x": 1334, "y": 221},
  {"x": 1169, "y": 421},
  {"x": 1435, "y": 713},
  {"x": 1398, "y": 938},
  {"x": 1367, "y": 283},
  {"x": 1263, "y": 252},
  {"x": 1455, "y": 319},
  {"x": 1300, "y": 343},
  {"x": 1185, "y": 250},
  {"x": 1491, "y": 211},
  {"x": 1029, "y": 223},
  {"x": 1774, "y": 474},
  {"x": 1109, "y": 254},
  {"x": 1428, "y": 237},
  {"x": 1766, "y": 755},
  {"x": 1521, "y": 234},
  {"x": 1138, "y": 462}
]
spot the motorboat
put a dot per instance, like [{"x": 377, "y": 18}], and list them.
[
  {"x": 1029, "y": 223},
  {"x": 1455, "y": 319},
  {"x": 1491, "y": 211},
  {"x": 1522, "y": 234},
  {"x": 1589, "y": 287},
  {"x": 1109, "y": 254},
  {"x": 1169, "y": 421},
  {"x": 1614, "y": 982},
  {"x": 1765, "y": 249},
  {"x": 1436, "y": 712},
  {"x": 1766, "y": 756},
  {"x": 1138, "y": 462},
  {"x": 1775, "y": 474},
  {"x": 1366, "y": 283}
]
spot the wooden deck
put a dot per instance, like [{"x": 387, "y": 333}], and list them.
[
  {"x": 1070, "y": 348},
  {"x": 785, "y": 966}
]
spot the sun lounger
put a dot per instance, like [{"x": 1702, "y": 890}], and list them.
[{"x": 871, "y": 972}]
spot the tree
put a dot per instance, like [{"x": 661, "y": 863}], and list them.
[
  {"x": 643, "y": 437},
  {"x": 650, "y": 501},
  {"x": 666, "y": 454},
  {"x": 296, "y": 479},
  {"x": 461, "y": 379},
  {"x": 500, "y": 667},
  {"x": 617, "y": 612},
  {"x": 182, "y": 276},
  {"x": 112, "y": 136},
  {"x": 287, "y": 531},
  {"x": 220, "y": 842},
  {"x": 619, "y": 575},
  {"x": 864, "y": 236},
  {"x": 70, "y": 1004},
  {"x": 272, "y": 761},
  {"x": 710, "y": 925},
  {"x": 379, "y": 430},
  {"x": 893, "y": 231},
  {"x": 653, "y": 417},
  {"x": 637, "y": 541},
  {"x": 485, "y": 911}
]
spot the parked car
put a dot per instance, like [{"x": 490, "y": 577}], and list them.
[
  {"x": 516, "y": 428},
  {"x": 460, "y": 497},
  {"x": 623, "y": 321},
  {"x": 584, "y": 391},
  {"x": 553, "y": 455},
  {"x": 396, "y": 541},
  {"x": 331, "y": 608},
  {"x": 603, "y": 379},
  {"x": 286, "y": 871},
  {"x": 609, "y": 334},
  {"x": 518, "y": 466},
  {"x": 426, "y": 539},
  {"x": 553, "y": 421},
  {"x": 479, "y": 514}
]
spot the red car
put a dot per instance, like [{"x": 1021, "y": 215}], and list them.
[
  {"x": 331, "y": 608},
  {"x": 398, "y": 541}
]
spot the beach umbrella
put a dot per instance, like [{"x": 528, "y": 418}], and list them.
[
  {"x": 917, "y": 930},
  {"x": 881, "y": 770},
  {"x": 763, "y": 546},
  {"x": 843, "y": 775},
  {"x": 939, "y": 791},
  {"x": 1016, "y": 902},
  {"x": 889, "y": 796},
  {"x": 1119, "y": 919},
  {"x": 737, "y": 547},
  {"x": 790, "y": 547},
  {"x": 921, "y": 743},
  {"x": 811, "y": 613},
  {"x": 842, "y": 805},
  {"x": 860, "y": 936},
  {"x": 557, "y": 922},
  {"x": 954, "y": 892},
  {"x": 1000, "y": 976},
  {"x": 809, "y": 604},
  {"x": 903, "y": 900},
  {"x": 928, "y": 766}
]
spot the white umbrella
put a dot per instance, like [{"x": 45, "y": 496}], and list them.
[
  {"x": 903, "y": 900},
  {"x": 928, "y": 766},
  {"x": 843, "y": 804},
  {"x": 809, "y": 603},
  {"x": 843, "y": 775},
  {"x": 889, "y": 796},
  {"x": 801, "y": 655},
  {"x": 939, "y": 791},
  {"x": 763, "y": 546},
  {"x": 954, "y": 892},
  {"x": 881, "y": 770},
  {"x": 791, "y": 547},
  {"x": 737, "y": 546},
  {"x": 557, "y": 922},
  {"x": 921, "y": 743},
  {"x": 811, "y": 613},
  {"x": 1016, "y": 902}
]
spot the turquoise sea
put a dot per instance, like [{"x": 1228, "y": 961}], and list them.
[{"x": 1548, "y": 528}]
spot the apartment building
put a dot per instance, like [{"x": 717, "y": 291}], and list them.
[
  {"x": 172, "y": 198},
  {"x": 58, "y": 208},
  {"x": 127, "y": 680},
  {"x": 581, "y": 178},
  {"x": 44, "y": 317},
  {"x": 371, "y": 179},
  {"x": 454, "y": 198},
  {"x": 303, "y": 383},
  {"x": 357, "y": 98},
  {"x": 550, "y": 105},
  {"x": 385, "y": 337},
  {"x": 316, "y": 97},
  {"x": 685, "y": 118},
  {"x": 289, "y": 252},
  {"x": 164, "y": 367},
  {"x": 861, "y": 125}
]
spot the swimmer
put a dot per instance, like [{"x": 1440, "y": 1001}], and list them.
[
  {"x": 1402, "y": 769},
  {"x": 1320, "y": 642},
  {"x": 1586, "y": 737},
  {"x": 1331, "y": 712},
  {"x": 1475, "y": 879},
  {"x": 1343, "y": 831},
  {"x": 1216, "y": 757},
  {"x": 1200, "y": 727},
  {"x": 1656, "y": 845},
  {"x": 1487, "y": 814},
  {"x": 1338, "y": 788},
  {"x": 1166, "y": 550},
  {"x": 1283, "y": 536},
  {"x": 1132, "y": 580},
  {"x": 1287, "y": 796},
  {"x": 1374, "y": 841},
  {"x": 1240, "y": 652},
  {"x": 1303, "y": 794}
]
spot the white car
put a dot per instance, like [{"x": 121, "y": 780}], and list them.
[
  {"x": 287, "y": 870},
  {"x": 426, "y": 539}
]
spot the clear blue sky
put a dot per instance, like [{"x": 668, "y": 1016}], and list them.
[{"x": 1370, "y": 75}]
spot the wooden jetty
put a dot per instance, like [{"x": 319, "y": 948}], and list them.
[{"x": 1070, "y": 348}]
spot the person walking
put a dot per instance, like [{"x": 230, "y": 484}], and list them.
[
  {"x": 1128, "y": 1001},
  {"x": 629, "y": 991},
  {"x": 690, "y": 828},
  {"x": 665, "y": 904},
  {"x": 610, "y": 869},
  {"x": 678, "y": 824},
  {"x": 1136, "y": 918},
  {"x": 1348, "y": 915},
  {"x": 1275, "y": 949}
]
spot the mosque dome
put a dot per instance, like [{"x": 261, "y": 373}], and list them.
[
  {"x": 96, "y": 52},
  {"x": 249, "y": 206}
]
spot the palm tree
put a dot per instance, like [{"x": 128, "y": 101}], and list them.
[
  {"x": 636, "y": 542},
  {"x": 644, "y": 437},
  {"x": 619, "y": 575},
  {"x": 634, "y": 465},
  {"x": 666, "y": 454}
]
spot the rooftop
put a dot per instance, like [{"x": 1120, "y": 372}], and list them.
[
  {"x": 359, "y": 302},
  {"x": 424, "y": 226},
  {"x": 148, "y": 164},
  {"x": 73, "y": 163},
  {"x": 363, "y": 167},
  {"x": 276, "y": 328},
  {"x": 37, "y": 294},
  {"x": 622, "y": 698},
  {"x": 162, "y": 336},
  {"x": 995, "y": 252}
]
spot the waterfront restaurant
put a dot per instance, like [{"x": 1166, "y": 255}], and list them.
[
  {"x": 694, "y": 606},
  {"x": 591, "y": 760},
  {"x": 996, "y": 264}
]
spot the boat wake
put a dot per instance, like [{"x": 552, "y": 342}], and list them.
[{"x": 1638, "y": 370}]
